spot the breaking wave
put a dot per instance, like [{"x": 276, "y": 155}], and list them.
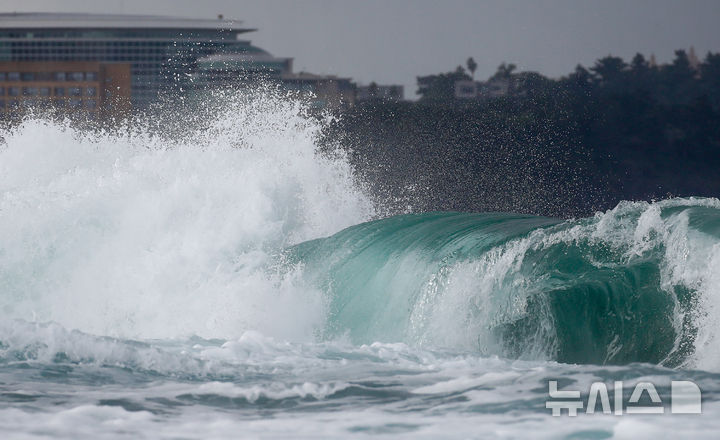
[
  {"x": 132, "y": 234},
  {"x": 639, "y": 283}
]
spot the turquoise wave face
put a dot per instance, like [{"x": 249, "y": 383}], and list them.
[{"x": 635, "y": 284}]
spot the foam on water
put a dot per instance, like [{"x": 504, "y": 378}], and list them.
[
  {"x": 138, "y": 235},
  {"x": 72, "y": 385},
  {"x": 156, "y": 286}
]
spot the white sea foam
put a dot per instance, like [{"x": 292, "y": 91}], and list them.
[{"x": 138, "y": 235}]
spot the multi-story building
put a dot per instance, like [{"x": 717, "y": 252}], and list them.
[
  {"x": 495, "y": 87},
  {"x": 233, "y": 71},
  {"x": 166, "y": 57},
  {"x": 85, "y": 87},
  {"x": 161, "y": 52},
  {"x": 321, "y": 90}
]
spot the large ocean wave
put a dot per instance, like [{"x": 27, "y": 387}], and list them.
[
  {"x": 229, "y": 229},
  {"x": 638, "y": 283}
]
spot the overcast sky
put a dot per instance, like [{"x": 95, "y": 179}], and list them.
[{"x": 393, "y": 41}]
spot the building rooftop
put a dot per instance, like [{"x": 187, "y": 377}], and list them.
[
  {"x": 247, "y": 60},
  {"x": 257, "y": 57},
  {"x": 53, "y": 20},
  {"x": 306, "y": 76}
]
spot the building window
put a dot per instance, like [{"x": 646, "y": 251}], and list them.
[
  {"x": 59, "y": 91},
  {"x": 90, "y": 76},
  {"x": 44, "y": 91},
  {"x": 90, "y": 104},
  {"x": 75, "y": 103},
  {"x": 75, "y": 91},
  {"x": 14, "y": 91},
  {"x": 60, "y": 76},
  {"x": 30, "y": 91},
  {"x": 59, "y": 103},
  {"x": 13, "y": 76},
  {"x": 28, "y": 76},
  {"x": 91, "y": 91},
  {"x": 76, "y": 76},
  {"x": 2, "y": 76},
  {"x": 2, "y": 103},
  {"x": 2, "y": 91}
]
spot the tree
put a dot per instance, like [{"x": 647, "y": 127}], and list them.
[
  {"x": 639, "y": 64},
  {"x": 581, "y": 77},
  {"x": 533, "y": 86},
  {"x": 710, "y": 77},
  {"x": 643, "y": 76},
  {"x": 505, "y": 70},
  {"x": 678, "y": 80},
  {"x": 373, "y": 90},
  {"x": 681, "y": 69},
  {"x": 472, "y": 66},
  {"x": 610, "y": 70}
]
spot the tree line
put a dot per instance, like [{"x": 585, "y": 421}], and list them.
[{"x": 562, "y": 147}]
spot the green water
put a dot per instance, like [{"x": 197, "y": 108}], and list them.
[{"x": 612, "y": 289}]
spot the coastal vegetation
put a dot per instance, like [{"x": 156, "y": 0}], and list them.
[{"x": 561, "y": 147}]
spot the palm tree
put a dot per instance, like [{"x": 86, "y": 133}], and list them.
[{"x": 472, "y": 66}]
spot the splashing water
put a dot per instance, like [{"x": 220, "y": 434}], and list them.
[
  {"x": 204, "y": 284},
  {"x": 134, "y": 235}
]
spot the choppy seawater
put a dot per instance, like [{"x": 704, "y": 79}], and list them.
[
  {"x": 81, "y": 386},
  {"x": 237, "y": 284}
]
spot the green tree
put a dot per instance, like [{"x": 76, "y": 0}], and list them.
[
  {"x": 680, "y": 70},
  {"x": 642, "y": 75},
  {"x": 678, "y": 80},
  {"x": 505, "y": 70},
  {"x": 472, "y": 66},
  {"x": 710, "y": 78},
  {"x": 610, "y": 71}
]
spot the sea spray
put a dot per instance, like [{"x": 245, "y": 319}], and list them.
[
  {"x": 134, "y": 233},
  {"x": 196, "y": 282}
]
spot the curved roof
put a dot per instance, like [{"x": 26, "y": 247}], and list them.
[{"x": 56, "y": 20}]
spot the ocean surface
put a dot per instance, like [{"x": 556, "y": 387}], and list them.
[{"x": 236, "y": 282}]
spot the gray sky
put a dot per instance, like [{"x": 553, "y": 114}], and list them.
[{"x": 393, "y": 41}]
